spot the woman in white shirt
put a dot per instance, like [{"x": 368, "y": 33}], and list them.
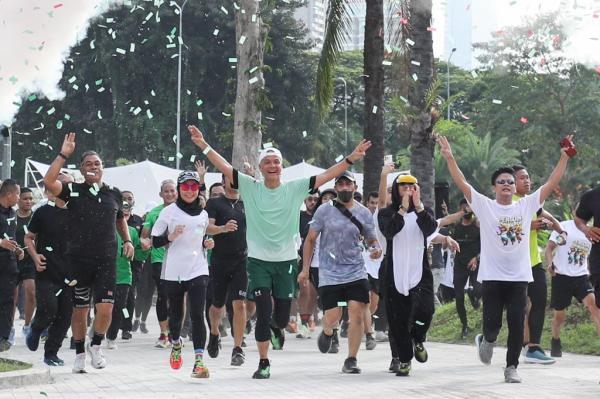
[{"x": 181, "y": 227}]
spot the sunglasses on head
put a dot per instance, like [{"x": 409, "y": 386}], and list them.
[
  {"x": 502, "y": 182},
  {"x": 189, "y": 186}
]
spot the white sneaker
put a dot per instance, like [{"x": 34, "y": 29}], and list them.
[
  {"x": 79, "y": 365},
  {"x": 111, "y": 344},
  {"x": 98, "y": 359},
  {"x": 381, "y": 336},
  {"x": 303, "y": 332}
]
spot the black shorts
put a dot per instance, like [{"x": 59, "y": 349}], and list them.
[
  {"x": 26, "y": 272},
  {"x": 333, "y": 295},
  {"x": 595, "y": 282},
  {"x": 228, "y": 278},
  {"x": 95, "y": 277},
  {"x": 566, "y": 287},
  {"x": 313, "y": 274},
  {"x": 373, "y": 284}
]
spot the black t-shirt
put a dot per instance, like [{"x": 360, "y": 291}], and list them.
[
  {"x": 136, "y": 222},
  {"x": 8, "y": 228},
  {"x": 49, "y": 224},
  {"x": 437, "y": 254},
  {"x": 589, "y": 207},
  {"x": 20, "y": 237},
  {"x": 470, "y": 244},
  {"x": 93, "y": 212},
  {"x": 233, "y": 244},
  {"x": 305, "y": 219}
]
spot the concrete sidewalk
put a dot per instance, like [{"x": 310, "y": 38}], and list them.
[{"x": 138, "y": 370}]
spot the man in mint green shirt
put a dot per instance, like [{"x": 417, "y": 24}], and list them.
[{"x": 272, "y": 217}]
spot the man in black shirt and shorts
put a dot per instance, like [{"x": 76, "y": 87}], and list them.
[
  {"x": 227, "y": 270},
  {"x": 94, "y": 217},
  {"x": 589, "y": 207},
  {"x": 26, "y": 280}
]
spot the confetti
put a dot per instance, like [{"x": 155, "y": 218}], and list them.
[
  {"x": 253, "y": 80},
  {"x": 242, "y": 39},
  {"x": 474, "y": 74},
  {"x": 121, "y": 51},
  {"x": 132, "y": 47},
  {"x": 497, "y": 101},
  {"x": 342, "y": 304},
  {"x": 332, "y": 256},
  {"x": 149, "y": 114},
  {"x": 125, "y": 313},
  {"x": 417, "y": 63},
  {"x": 339, "y": 158},
  {"x": 216, "y": 32},
  {"x": 57, "y": 5},
  {"x": 193, "y": 158},
  {"x": 57, "y": 294},
  {"x": 179, "y": 155},
  {"x": 199, "y": 102},
  {"x": 51, "y": 111},
  {"x": 374, "y": 110},
  {"x": 415, "y": 77},
  {"x": 200, "y": 116},
  {"x": 419, "y": 323},
  {"x": 524, "y": 120},
  {"x": 224, "y": 10},
  {"x": 268, "y": 145},
  {"x": 32, "y": 97},
  {"x": 49, "y": 249},
  {"x": 304, "y": 133},
  {"x": 137, "y": 111},
  {"x": 410, "y": 42},
  {"x": 386, "y": 63},
  {"x": 99, "y": 114}
]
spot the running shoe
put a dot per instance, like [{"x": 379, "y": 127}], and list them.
[
  {"x": 214, "y": 344},
  {"x": 351, "y": 366},
  {"x": 262, "y": 373},
  {"x": 403, "y": 369},
  {"x": 44, "y": 336},
  {"x": 79, "y": 365},
  {"x": 370, "y": 342},
  {"x": 324, "y": 342},
  {"x": 244, "y": 342},
  {"x": 111, "y": 344},
  {"x": 292, "y": 327},
  {"x": 381, "y": 336},
  {"x": 200, "y": 370},
  {"x": 237, "y": 356},
  {"x": 277, "y": 338},
  {"x": 394, "y": 365},
  {"x": 32, "y": 340},
  {"x": 135, "y": 326},
  {"x": 510, "y": 375},
  {"x": 303, "y": 332},
  {"x": 4, "y": 344},
  {"x": 420, "y": 352},
  {"x": 95, "y": 352},
  {"x": 175, "y": 360},
  {"x": 143, "y": 328},
  {"x": 162, "y": 342},
  {"x": 555, "y": 348},
  {"x": 53, "y": 360},
  {"x": 485, "y": 349},
  {"x": 536, "y": 355},
  {"x": 126, "y": 335},
  {"x": 335, "y": 343}
]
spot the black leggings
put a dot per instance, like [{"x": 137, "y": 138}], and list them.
[
  {"x": 266, "y": 313},
  {"x": 196, "y": 290},
  {"x": 537, "y": 291},
  {"x": 512, "y": 296},
  {"x": 162, "y": 307},
  {"x": 121, "y": 292},
  {"x": 409, "y": 315},
  {"x": 461, "y": 275},
  {"x": 136, "y": 271},
  {"x": 145, "y": 292},
  {"x": 52, "y": 312}
]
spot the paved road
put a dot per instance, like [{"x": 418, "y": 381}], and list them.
[{"x": 137, "y": 370}]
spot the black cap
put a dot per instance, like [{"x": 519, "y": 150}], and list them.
[{"x": 346, "y": 175}]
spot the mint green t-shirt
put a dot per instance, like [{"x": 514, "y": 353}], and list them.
[
  {"x": 156, "y": 254},
  {"x": 272, "y": 217}
]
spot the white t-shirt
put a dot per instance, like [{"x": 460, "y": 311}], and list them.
[
  {"x": 373, "y": 265},
  {"x": 571, "y": 259},
  {"x": 504, "y": 238},
  {"x": 448, "y": 279},
  {"x": 185, "y": 258}
]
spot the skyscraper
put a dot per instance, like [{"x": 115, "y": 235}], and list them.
[{"x": 313, "y": 15}]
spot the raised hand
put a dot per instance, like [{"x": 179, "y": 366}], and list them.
[
  {"x": 359, "y": 151},
  {"x": 445, "y": 149},
  {"x": 416, "y": 195},
  {"x": 248, "y": 169},
  {"x": 201, "y": 169},
  {"x": 68, "y": 145},
  {"x": 197, "y": 136},
  {"x": 387, "y": 169}
]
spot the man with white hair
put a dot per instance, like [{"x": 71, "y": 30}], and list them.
[{"x": 273, "y": 216}]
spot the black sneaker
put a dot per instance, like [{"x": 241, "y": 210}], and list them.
[
  {"x": 237, "y": 356},
  {"x": 335, "y": 343},
  {"x": 214, "y": 344},
  {"x": 53, "y": 360},
  {"x": 350, "y": 366},
  {"x": 135, "y": 326},
  {"x": 277, "y": 338},
  {"x": 394, "y": 365},
  {"x": 262, "y": 373},
  {"x": 72, "y": 344},
  {"x": 403, "y": 370},
  {"x": 143, "y": 328},
  {"x": 324, "y": 342},
  {"x": 244, "y": 342},
  {"x": 420, "y": 352},
  {"x": 464, "y": 333},
  {"x": 370, "y": 342},
  {"x": 248, "y": 329},
  {"x": 555, "y": 348},
  {"x": 126, "y": 335},
  {"x": 4, "y": 344},
  {"x": 344, "y": 329},
  {"x": 32, "y": 340}
]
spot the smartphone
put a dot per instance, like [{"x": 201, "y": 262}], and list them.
[
  {"x": 387, "y": 159},
  {"x": 568, "y": 146}
]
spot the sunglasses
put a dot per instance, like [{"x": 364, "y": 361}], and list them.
[
  {"x": 503, "y": 182},
  {"x": 189, "y": 187}
]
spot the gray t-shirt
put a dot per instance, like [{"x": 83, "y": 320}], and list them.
[{"x": 340, "y": 249}]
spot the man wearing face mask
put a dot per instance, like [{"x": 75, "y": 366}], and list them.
[
  {"x": 466, "y": 233},
  {"x": 342, "y": 273}
]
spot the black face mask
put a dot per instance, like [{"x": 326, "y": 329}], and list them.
[{"x": 345, "y": 196}]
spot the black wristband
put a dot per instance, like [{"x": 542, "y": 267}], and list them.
[
  {"x": 349, "y": 162},
  {"x": 127, "y": 241},
  {"x": 63, "y": 156}
]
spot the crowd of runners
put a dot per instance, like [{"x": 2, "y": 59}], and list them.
[{"x": 262, "y": 254}]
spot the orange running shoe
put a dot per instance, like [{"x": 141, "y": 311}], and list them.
[{"x": 175, "y": 359}]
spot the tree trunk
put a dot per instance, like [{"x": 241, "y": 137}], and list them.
[
  {"x": 421, "y": 140},
  {"x": 373, "y": 81},
  {"x": 247, "y": 134}
]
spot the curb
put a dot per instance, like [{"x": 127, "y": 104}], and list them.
[{"x": 20, "y": 378}]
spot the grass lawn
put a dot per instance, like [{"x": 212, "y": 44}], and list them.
[
  {"x": 578, "y": 334},
  {"x": 12, "y": 365}
]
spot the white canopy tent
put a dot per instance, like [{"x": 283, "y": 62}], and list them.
[{"x": 144, "y": 178}]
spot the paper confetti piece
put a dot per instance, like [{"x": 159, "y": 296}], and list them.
[
  {"x": 149, "y": 114},
  {"x": 524, "y": 120},
  {"x": 304, "y": 133},
  {"x": 386, "y": 63},
  {"x": 199, "y": 102},
  {"x": 374, "y": 110},
  {"x": 25, "y": 229},
  {"x": 339, "y": 158},
  {"x": 121, "y": 51},
  {"x": 224, "y": 10},
  {"x": 87, "y": 131},
  {"x": 242, "y": 39},
  {"x": 57, "y": 294},
  {"x": 125, "y": 313},
  {"x": 132, "y": 47},
  {"x": 410, "y": 42},
  {"x": 32, "y": 97},
  {"x": 57, "y": 5},
  {"x": 171, "y": 159},
  {"x": 200, "y": 116},
  {"x": 253, "y": 18},
  {"x": 415, "y": 77},
  {"x": 39, "y": 110},
  {"x": 419, "y": 323},
  {"x": 137, "y": 111},
  {"x": 341, "y": 304},
  {"x": 179, "y": 155},
  {"x": 474, "y": 74},
  {"x": 49, "y": 249},
  {"x": 99, "y": 114},
  {"x": 92, "y": 46},
  {"x": 193, "y": 158},
  {"x": 332, "y": 256},
  {"x": 268, "y": 145},
  {"x": 216, "y": 32},
  {"x": 417, "y": 63},
  {"x": 51, "y": 111},
  {"x": 253, "y": 80},
  {"x": 497, "y": 101}
]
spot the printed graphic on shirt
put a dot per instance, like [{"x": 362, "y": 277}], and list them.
[
  {"x": 578, "y": 252},
  {"x": 510, "y": 230}
]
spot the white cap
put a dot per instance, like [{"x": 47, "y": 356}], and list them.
[{"x": 271, "y": 151}]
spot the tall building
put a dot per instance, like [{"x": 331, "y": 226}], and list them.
[{"x": 313, "y": 14}]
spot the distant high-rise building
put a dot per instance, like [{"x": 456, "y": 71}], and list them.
[{"x": 313, "y": 14}]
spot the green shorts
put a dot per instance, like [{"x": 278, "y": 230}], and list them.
[{"x": 279, "y": 277}]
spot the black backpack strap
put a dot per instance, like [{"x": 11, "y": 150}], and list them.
[{"x": 346, "y": 212}]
